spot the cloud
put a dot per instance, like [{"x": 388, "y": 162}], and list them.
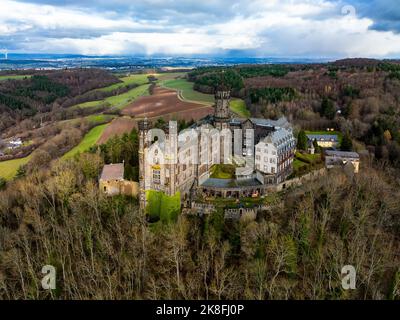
[
  {"x": 384, "y": 13},
  {"x": 313, "y": 28}
]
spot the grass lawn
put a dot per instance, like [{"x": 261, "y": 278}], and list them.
[
  {"x": 139, "y": 79},
  {"x": 120, "y": 101},
  {"x": 170, "y": 75},
  {"x": 298, "y": 164},
  {"x": 16, "y": 77},
  {"x": 187, "y": 91},
  {"x": 88, "y": 141},
  {"x": 308, "y": 157},
  {"x": 304, "y": 163},
  {"x": 238, "y": 106},
  {"x": 8, "y": 169},
  {"x": 163, "y": 207},
  {"x": 223, "y": 171},
  {"x": 94, "y": 119}
]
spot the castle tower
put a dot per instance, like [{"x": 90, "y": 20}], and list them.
[
  {"x": 171, "y": 158},
  {"x": 222, "y": 116},
  {"x": 144, "y": 127},
  {"x": 222, "y": 112}
]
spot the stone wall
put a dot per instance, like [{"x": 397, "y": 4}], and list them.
[
  {"x": 113, "y": 188},
  {"x": 296, "y": 182}
]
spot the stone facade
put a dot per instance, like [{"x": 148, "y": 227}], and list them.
[{"x": 169, "y": 162}]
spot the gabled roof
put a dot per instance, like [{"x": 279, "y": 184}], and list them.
[
  {"x": 323, "y": 137},
  {"x": 113, "y": 172},
  {"x": 342, "y": 154}
]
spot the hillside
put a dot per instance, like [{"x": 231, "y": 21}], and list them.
[{"x": 358, "y": 96}]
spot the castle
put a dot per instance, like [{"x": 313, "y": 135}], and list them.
[{"x": 261, "y": 149}]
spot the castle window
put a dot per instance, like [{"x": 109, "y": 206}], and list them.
[{"x": 156, "y": 176}]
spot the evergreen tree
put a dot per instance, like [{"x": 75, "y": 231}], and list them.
[
  {"x": 302, "y": 140},
  {"x": 328, "y": 109},
  {"x": 3, "y": 183},
  {"x": 316, "y": 146},
  {"x": 347, "y": 143}
]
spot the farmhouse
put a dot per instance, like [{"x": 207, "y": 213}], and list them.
[
  {"x": 324, "y": 140},
  {"x": 262, "y": 149},
  {"x": 342, "y": 159}
]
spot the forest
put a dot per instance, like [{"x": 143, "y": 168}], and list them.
[
  {"x": 360, "y": 97},
  {"x": 104, "y": 248}
]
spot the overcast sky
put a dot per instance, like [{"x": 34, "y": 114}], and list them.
[{"x": 285, "y": 28}]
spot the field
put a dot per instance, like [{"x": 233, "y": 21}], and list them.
[
  {"x": 118, "y": 127},
  {"x": 16, "y": 77},
  {"x": 9, "y": 168},
  {"x": 118, "y": 101},
  {"x": 187, "y": 92},
  {"x": 138, "y": 79},
  {"x": 238, "y": 106},
  {"x": 165, "y": 102},
  {"x": 89, "y": 140}
]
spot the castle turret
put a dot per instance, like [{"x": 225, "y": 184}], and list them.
[
  {"x": 171, "y": 157},
  {"x": 144, "y": 127},
  {"x": 222, "y": 112}
]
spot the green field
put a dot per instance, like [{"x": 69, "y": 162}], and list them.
[
  {"x": 238, "y": 106},
  {"x": 9, "y": 168},
  {"x": 170, "y": 75},
  {"x": 120, "y": 101},
  {"x": 88, "y": 141},
  {"x": 187, "y": 92},
  {"x": 94, "y": 119},
  {"x": 15, "y": 77},
  {"x": 138, "y": 79}
]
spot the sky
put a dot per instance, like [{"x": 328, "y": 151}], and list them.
[{"x": 256, "y": 28}]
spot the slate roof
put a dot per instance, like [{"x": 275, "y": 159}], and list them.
[
  {"x": 342, "y": 154},
  {"x": 113, "y": 172},
  {"x": 323, "y": 137},
  {"x": 231, "y": 183}
]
